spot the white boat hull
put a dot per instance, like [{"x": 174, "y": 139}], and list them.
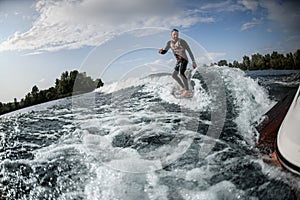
[{"x": 288, "y": 137}]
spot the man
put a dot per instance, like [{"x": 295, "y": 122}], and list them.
[{"x": 179, "y": 48}]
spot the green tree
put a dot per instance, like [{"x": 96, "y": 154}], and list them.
[
  {"x": 257, "y": 62},
  {"x": 290, "y": 60},
  {"x": 246, "y": 62},
  {"x": 99, "y": 83},
  {"x": 63, "y": 84},
  {"x": 297, "y": 59},
  {"x": 51, "y": 94},
  {"x": 9, "y": 107},
  {"x": 22, "y": 103},
  {"x": 267, "y": 61},
  {"x": 16, "y": 103},
  {"x": 84, "y": 83},
  {"x": 34, "y": 91},
  {"x": 222, "y": 63},
  {"x": 235, "y": 64},
  {"x": 34, "y": 94},
  {"x": 42, "y": 96},
  {"x": 274, "y": 60},
  {"x": 28, "y": 100}
]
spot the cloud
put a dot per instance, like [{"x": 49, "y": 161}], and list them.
[
  {"x": 223, "y": 6},
  {"x": 284, "y": 13},
  {"x": 293, "y": 38},
  {"x": 32, "y": 53},
  {"x": 229, "y": 6},
  {"x": 251, "y": 24},
  {"x": 249, "y": 4},
  {"x": 213, "y": 56},
  {"x": 73, "y": 24}
]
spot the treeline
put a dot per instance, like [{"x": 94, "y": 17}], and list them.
[
  {"x": 68, "y": 84},
  {"x": 257, "y": 61}
]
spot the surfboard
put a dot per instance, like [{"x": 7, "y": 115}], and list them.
[{"x": 177, "y": 94}]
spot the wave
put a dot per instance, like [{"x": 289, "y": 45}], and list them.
[
  {"x": 137, "y": 141},
  {"x": 247, "y": 96}
]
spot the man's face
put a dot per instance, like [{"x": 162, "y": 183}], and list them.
[{"x": 174, "y": 35}]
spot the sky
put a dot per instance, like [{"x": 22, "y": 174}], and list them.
[{"x": 40, "y": 39}]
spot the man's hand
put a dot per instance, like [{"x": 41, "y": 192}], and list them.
[
  {"x": 194, "y": 65},
  {"x": 160, "y": 51}
]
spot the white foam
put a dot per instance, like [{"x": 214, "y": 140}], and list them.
[
  {"x": 122, "y": 84},
  {"x": 155, "y": 190},
  {"x": 251, "y": 100},
  {"x": 221, "y": 190},
  {"x": 200, "y": 175},
  {"x": 162, "y": 86},
  {"x": 111, "y": 184},
  {"x": 135, "y": 165}
]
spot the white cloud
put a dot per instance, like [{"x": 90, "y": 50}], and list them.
[
  {"x": 230, "y": 6},
  {"x": 285, "y": 13},
  {"x": 72, "y": 24},
  {"x": 223, "y": 6},
  {"x": 32, "y": 53},
  {"x": 293, "y": 38},
  {"x": 213, "y": 56},
  {"x": 251, "y": 24},
  {"x": 249, "y": 4}
]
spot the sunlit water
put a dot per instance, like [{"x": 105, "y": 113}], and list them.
[{"x": 135, "y": 140}]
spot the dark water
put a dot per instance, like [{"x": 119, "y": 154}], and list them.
[{"x": 134, "y": 140}]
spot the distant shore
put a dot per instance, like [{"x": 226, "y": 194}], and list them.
[
  {"x": 69, "y": 84},
  {"x": 274, "y": 61}
]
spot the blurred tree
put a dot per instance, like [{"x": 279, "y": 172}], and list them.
[
  {"x": 275, "y": 62},
  {"x": 222, "y": 63},
  {"x": 246, "y": 62},
  {"x": 99, "y": 83},
  {"x": 257, "y": 62},
  {"x": 34, "y": 94},
  {"x": 16, "y": 103},
  {"x": 28, "y": 100},
  {"x": 267, "y": 61},
  {"x": 235, "y": 64},
  {"x": 297, "y": 59}
]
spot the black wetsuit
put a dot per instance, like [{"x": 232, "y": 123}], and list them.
[{"x": 179, "y": 47}]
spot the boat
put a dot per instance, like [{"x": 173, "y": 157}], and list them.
[
  {"x": 279, "y": 132},
  {"x": 287, "y": 146}
]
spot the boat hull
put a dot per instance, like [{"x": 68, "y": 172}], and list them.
[{"x": 288, "y": 137}]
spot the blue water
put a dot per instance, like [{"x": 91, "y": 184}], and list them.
[{"x": 134, "y": 140}]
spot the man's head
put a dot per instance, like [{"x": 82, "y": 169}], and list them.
[{"x": 174, "y": 34}]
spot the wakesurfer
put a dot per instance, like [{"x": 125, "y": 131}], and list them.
[{"x": 179, "y": 47}]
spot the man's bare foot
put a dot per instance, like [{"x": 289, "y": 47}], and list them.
[
  {"x": 185, "y": 93},
  {"x": 181, "y": 90}
]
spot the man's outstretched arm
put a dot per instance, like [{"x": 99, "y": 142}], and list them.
[{"x": 165, "y": 50}]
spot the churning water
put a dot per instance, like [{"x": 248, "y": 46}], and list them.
[{"x": 134, "y": 140}]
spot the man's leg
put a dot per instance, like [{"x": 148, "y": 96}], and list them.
[
  {"x": 182, "y": 69},
  {"x": 175, "y": 75}
]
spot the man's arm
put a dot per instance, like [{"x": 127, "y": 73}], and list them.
[
  {"x": 165, "y": 50},
  {"x": 187, "y": 47}
]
